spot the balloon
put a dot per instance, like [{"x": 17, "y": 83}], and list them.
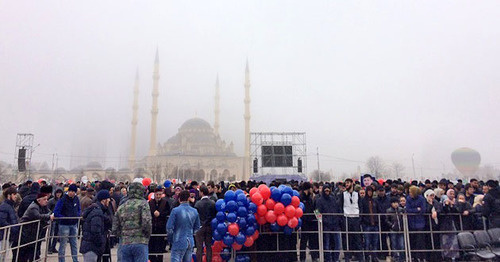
[
  {"x": 229, "y": 195},
  {"x": 380, "y": 181},
  {"x": 466, "y": 160},
  {"x": 233, "y": 229},
  {"x": 250, "y": 231},
  {"x": 257, "y": 198},
  {"x": 231, "y": 206},
  {"x": 286, "y": 199},
  {"x": 217, "y": 259},
  {"x": 151, "y": 196},
  {"x": 282, "y": 220},
  {"x": 275, "y": 227},
  {"x": 242, "y": 212},
  {"x": 302, "y": 206},
  {"x": 214, "y": 223},
  {"x": 270, "y": 216},
  {"x": 167, "y": 183},
  {"x": 40, "y": 180},
  {"x": 236, "y": 246},
  {"x": 290, "y": 211},
  {"x": 252, "y": 208},
  {"x": 226, "y": 253},
  {"x": 228, "y": 240},
  {"x": 296, "y": 193},
  {"x": 270, "y": 204},
  {"x": 276, "y": 194},
  {"x": 253, "y": 191},
  {"x": 242, "y": 222},
  {"x": 216, "y": 235},
  {"x": 287, "y": 230},
  {"x": 261, "y": 220},
  {"x": 239, "y": 192},
  {"x": 255, "y": 235},
  {"x": 281, "y": 187},
  {"x": 221, "y": 216},
  {"x": 300, "y": 222},
  {"x": 299, "y": 213},
  {"x": 240, "y": 238},
  {"x": 279, "y": 208},
  {"x": 221, "y": 228},
  {"x": 287, "y": 190},
  {"x": 251, "y": 219},
  {"x": 261, "y": 210},
  {"x": 248, "y": 242},
  {"x": 146, "y": 181},
  {"x": 243, "y": 199},
  {"x": 295, "y": 201},
  {"x": 220, "y": 205},
  {"x": 293, "y": 222},
  {"x": 217, "y": 246},
  {"x": 265, "y": 192},
  {"x": 231, "y": 217}
]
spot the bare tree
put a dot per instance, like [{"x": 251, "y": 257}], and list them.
[
  {"x": 320, "y": 176},
  {"x": 398, "y": 169},
  {"x": 376, "y": 165}
]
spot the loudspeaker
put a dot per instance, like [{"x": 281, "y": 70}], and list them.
[
  {"x": 255, "y": 162},
  {"x": 299, "y": 165},
  {"x": 21, "y": 160}
]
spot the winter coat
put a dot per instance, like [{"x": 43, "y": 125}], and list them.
[
  {"x": 164, "y": 209},
  {"x": 328, "y": 204},
  {"x": 429, "y": 222},
  {"x": 491, "y": 207},
  {"x": 394, "y": 219},
  {"x": 467, "y": 220},
  {"x": 68, "y": 207},
  {"x": 28, "y": 199},
  {"x": 364, "y": 208},
  {"x": 183, "y": 223},
  {"x": 383, "y": 203},
  {"x": 8, "y": 217},
  {"x": 33, "y": 213},
  {"x": 206, "y": 210},
  {"x": 449, "y": 219},
  {"x": 132, "y": 222},
  {"x": 308, "y": 218},
  {"x": 86, "y": 202},
  {"x": 415, "y": 207},
  {"x": 96, "y": 225}
]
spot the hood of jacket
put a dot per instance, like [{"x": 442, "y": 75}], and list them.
[{"x": 136, "y": 190}]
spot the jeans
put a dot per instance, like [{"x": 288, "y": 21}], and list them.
[
  {"x": 54, "y": 231},
  {"x": 182, "y": 255},
  {"x": 68, "y": 232},
  {"x": 371, "y": 240},
  {"x": 90, "y": 257},
  {"x": 134, "y": 253},
  {"x": 397, "y": 243},
  {"x": 329, "y": 240}
]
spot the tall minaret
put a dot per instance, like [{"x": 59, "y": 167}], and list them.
[
  {"x": 131, "y": 158},
  {"x": 246, "y": 165},
  {"x": 217, "y": 106},
  {"x": 154, "y": 110}
]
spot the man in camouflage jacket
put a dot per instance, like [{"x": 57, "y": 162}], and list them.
[{"x": 132, "y": 224}]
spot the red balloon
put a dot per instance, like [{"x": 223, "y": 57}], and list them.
[
  {"x": 261, "y": 220},
  {"x": 248, "y": 242},
  {"x": 265, "y": 192},
  {"x": 253, "y": 191},
  {"x": 282, "y": 220},
  {"x": 270, "y": 204},
  {"x": 299, "y": 212},
  {"x": 150, "y": 196},
  {"x": 257, "y": 198},
  {"x": 237, "y": 246},
  {"x": 204, "y": 258},
  {"x": 261, "y": 210},
  {"x": 293, "y": 222},
  {"x": 255, "y": 235},
  {"x": 381, "y": 181},
  {"x": 295, "y": 201},
  {"x": 217, "y": 246},
  {"x": 217, "y": 259},
  {"x": 279, "y": 208},
  {"x": 270, "y": 216},
  {"x": 146, "y": 181},
  {"x": 290, "y": 211},
  {"x": 233, "y": 229}
]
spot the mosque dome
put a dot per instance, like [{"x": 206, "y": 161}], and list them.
[{"x": 195, "y": 124}]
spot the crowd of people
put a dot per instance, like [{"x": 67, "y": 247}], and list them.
[{"x": 144, "y": 221}]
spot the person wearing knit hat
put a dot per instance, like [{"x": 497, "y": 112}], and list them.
[
  {"x": 103, "y": 195},
  {"x": 73, "y": 188},
  {"x": 95, "y": 227},
  {"x": 68, "y": 207}
]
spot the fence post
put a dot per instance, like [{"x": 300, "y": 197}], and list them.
[
  {"x": 320, "y": 237},
  {"x": 406, "y": 237},
  {"x": 47, "y": 240},
  {"x": 36, "y": 239}
]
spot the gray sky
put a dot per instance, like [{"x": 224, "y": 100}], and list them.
[{"x": 386, "y": 78}]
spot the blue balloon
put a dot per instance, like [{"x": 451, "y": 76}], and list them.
[
  {"x": 287, "y": 190},
  {"x": 242, "y": 212},
  {"x": 275, "y": 227},
  {"x": 221, "y": 228},
  {"x": 221, "y": 216},
  {"x": 296, "y": 193},
  {"x": 240, "y": 259},
  {"x": 229, "y": 195},
  {"x": 238, "y": 192},
  {"x": 231, "y": 206},
  {"x": 167, "y": 183},
  {"x": 242, "y": 198},
  {"x": 247, "y": 258},
  {"x": 287, "y": 230},
  {"x": 302, "y": 206},
  {"x": 214, "y": 223},
  {"x": 220, "y": 205},
  {"x": 228, "y": 240},
  {"x": 276, "y": 194},
  {"x": 231, "y": 217},
  {"x": 251, "y": 220},
  {"x": 242, "y": 223},
  {"x": 216, "y": 235},
  {"x": 286, "y": 199},
  {"x": 272, "y": 187},
  {"x": 249, "y": 231},
  {"x": 281, "y": 187},
  {"x": 240, "y": 238},
  {"x": 226, "y": 254},
  {"x": 300, "y": 223},
  {"x": 252, "y": 208}
]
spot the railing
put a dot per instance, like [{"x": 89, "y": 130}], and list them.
[{"x": 347, "y": 230}]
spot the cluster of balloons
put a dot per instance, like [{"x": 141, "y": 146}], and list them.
[
  {"x": 278, "y": 206},
  {"x": 234, "y": 225}
]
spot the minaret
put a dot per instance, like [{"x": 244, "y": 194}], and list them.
[
  {"x": 131, "y": 158},
  {"x": 246, "y": 165},
  {"x": 154, "y": 110},
  {"x": 217, "y": 106}
]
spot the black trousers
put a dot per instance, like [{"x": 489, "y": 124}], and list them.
[
  {"x": 157, "y": 245},
  {"x": 309, "y": 240}
]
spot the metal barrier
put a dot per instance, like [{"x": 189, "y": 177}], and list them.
[{"x": 344, "y": 230}]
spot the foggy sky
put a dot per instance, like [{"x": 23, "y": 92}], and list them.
[{"x": 386, "y": 78}]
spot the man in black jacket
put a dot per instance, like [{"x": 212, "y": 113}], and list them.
[
  {"x": 8, "y": 217},
  {"x": 309, "y": 223},
  {"x": 491, "y": 207},
  {"x": 383, "y": 203},
  {"x": 160, "y": 209},
  {"x": 327, "y": 205},
  {"x": 28, "y": 199},
  {"x": 206, "y": 210}
]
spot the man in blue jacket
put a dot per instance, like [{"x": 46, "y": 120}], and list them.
[
  {"x": 415, "y": 207},
  {"x": 8, "y": 217},
  {"x": 183, "y": 223},
  {"x": 68, "y": 207}
]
